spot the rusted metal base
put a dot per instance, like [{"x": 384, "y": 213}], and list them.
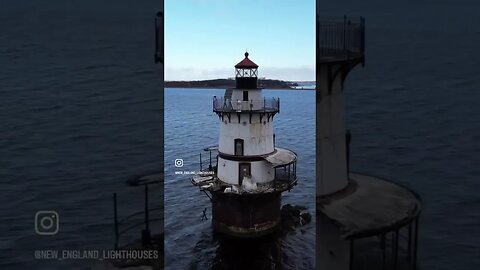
[{"x": 245, "y": 215}]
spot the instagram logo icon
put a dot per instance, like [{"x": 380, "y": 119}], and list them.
[
  {"x": 178, "y": 162},
  {"x": 46, "y": 222}
]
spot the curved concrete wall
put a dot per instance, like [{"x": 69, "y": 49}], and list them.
[
  {"x": 331, "y": 146},
  {"x": 237, "y": 94},
  {"x": 257, "y": 136},
  {"x": 261, "y": 171}
]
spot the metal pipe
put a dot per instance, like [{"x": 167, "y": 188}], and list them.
[
  {"x": 348, "y": 41},
  {"x": 362, "y": 34},
  {"x": 344, "y": 32},
  {"x": 409, "y": 245},
  {"x": 395, "y": 258},
  {"x": 393, "y": 245},
  {"x": 146, "y": 237},
  {"x": 415, "y": 245},
  {"x": 275, "y": 179},
  {"x": 348, "y": 138},
  {"x": 351, "y": 254},
  {"x": 382, "y": 247},
  {"x": 115, "y": 217},
  {"x": 147, "y": 219},
  {"x": 156, "y": 40}
]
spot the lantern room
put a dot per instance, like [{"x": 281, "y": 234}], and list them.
[{"x": 246, "y": 74}]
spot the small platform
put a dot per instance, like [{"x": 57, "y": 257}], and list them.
[
  {"x": 370, "y": 206},
  {"x": 213, "y": 184},
  {"x": 266, "y": 105},
  {"x": 283, "y": 161},
  {"x": 332, "y": 56},
  {"x": 281, "y": 157},
  {"x": 371, "y": 224}
]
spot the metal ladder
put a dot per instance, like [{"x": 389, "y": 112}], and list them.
[{"x": 228, "y": 94}]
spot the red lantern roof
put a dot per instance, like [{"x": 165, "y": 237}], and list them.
[{"x": 246, "y": 63}]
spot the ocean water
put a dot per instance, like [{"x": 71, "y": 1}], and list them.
[
  {"x": 80, "y": 113},
  {"x": 190, "y": 126},
  {"x": 413, "y": 111}
]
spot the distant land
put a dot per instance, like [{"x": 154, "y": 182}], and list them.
[{"x": 229, "y": 83}]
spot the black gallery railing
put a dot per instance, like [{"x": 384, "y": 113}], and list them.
[
  {"x": 341, "y": 38},
  {"x": 221, "y": 104}
]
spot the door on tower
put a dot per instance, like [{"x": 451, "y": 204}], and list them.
[
  {"x": 245, "y": 95},
  {"x": 244, "y": 170}
]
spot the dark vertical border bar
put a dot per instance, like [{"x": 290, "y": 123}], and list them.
[{"x": 159, "y": 60}]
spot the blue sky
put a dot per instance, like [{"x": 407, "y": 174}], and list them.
[{"x": 204, "y": 39}]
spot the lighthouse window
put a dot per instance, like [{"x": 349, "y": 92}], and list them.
[
  {"x": 245, "y": 95},
  {"x": 238, "y": 147}
]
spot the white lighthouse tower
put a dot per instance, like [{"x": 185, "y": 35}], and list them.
[{"x": 250, "y": 172}]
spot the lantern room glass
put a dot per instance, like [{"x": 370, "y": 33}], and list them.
[{"x": 246, "y": 72}]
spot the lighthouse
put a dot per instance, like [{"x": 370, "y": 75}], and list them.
[
  {"x": 250, "y": 172},
  {"x": 363, "y": 221}
]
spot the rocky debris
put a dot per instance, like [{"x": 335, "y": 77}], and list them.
[{"x": 294, "y": 216}]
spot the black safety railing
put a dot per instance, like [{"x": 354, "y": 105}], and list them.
[
  {"x": 341, "y": 38},
  {"x": 396, "y": 249},
  {"x": 210, "y": 164},
  {"x": 285, "y": 176},
  {"x": 221, "y": 104},
  {"x": 136, "y": 220}
]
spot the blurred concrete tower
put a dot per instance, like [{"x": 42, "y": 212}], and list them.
[
  {"x": 357, "y": 214},
  {"x": 250, "y": 172},
  {"x": 336, "y": 61},
  {"x": 159, "y": 44}
]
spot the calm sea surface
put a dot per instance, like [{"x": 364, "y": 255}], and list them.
[
  {"x": 191, "y": 125},
  {"x": 79, "y": 114}
]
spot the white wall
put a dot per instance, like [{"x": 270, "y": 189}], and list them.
[
  {"x": 262, "y": 171},
  {"x": 252, "y": 94},
  {"x": 257, "y": 136},
  {"x": 255, "y": 100}
]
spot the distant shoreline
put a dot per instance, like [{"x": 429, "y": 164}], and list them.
[{"x": 228, "y": 83}]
